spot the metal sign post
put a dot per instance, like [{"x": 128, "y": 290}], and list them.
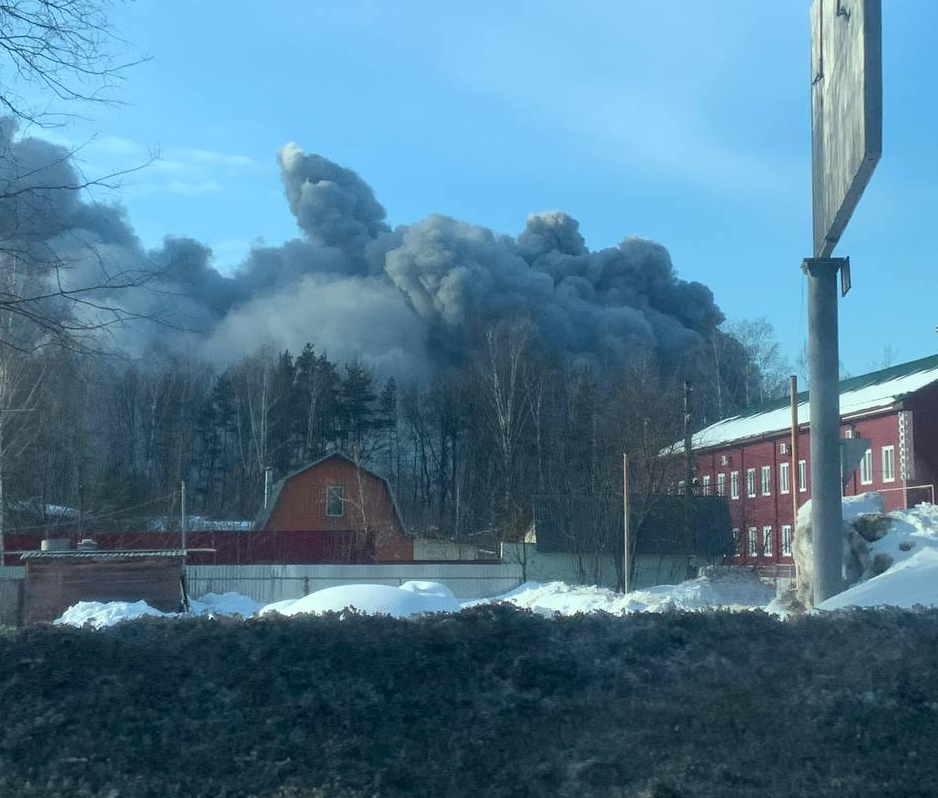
[{"x": 846, "y": 142}]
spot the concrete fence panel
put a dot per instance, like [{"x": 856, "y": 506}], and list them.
[{"x": 269, "y": 583}]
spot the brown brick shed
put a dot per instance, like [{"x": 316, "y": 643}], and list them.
[{"x": 337, "y": 495}]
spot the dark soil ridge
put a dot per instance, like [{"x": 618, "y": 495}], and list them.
[{"x": 490, "y": 702}]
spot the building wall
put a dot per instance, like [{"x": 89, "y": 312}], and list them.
[
  {"x": 924, "y": 407},
  {"x": 368, "y": 508},
  {"x": 270, "y": 583},
  {"x": 600, "y": 569},
  {"x": 775, "y": 510},
  {"x": 54, "y": 586},
  {"x": 431, "y": 549}
]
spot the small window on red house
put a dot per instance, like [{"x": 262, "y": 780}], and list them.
[{"x": 335, "y": 501}]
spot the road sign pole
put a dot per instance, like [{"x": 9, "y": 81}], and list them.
[{"x": 824, "y": 368}]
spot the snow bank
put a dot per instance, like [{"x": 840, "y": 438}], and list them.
[
  {"x": 908, "y": 584},
  {"x": 228, "y": 604},
  {"x": 98, "y": 614},
  {"x": 900, "y": 560},
  {"x": 277, "y": 607},
  {"x": 414, "y": 598},
  {"x": 717, "y": 587}
]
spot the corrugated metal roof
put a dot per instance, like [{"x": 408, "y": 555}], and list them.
[
  {"x": 878, "y": 390},
  {"x": 105, "y": 554}
]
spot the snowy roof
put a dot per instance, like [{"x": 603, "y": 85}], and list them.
[{"x": 878, "y": 390}]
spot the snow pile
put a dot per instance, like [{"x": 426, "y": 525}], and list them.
[
  {"x": 227, "y": 604},
  {"x": 412, "y": 598},
  {"x": 278, "y": 607},
  {"x": 898, "y": 554},
  {"x": 716, "y": 587},
  {"x": 98, "y": 614}
]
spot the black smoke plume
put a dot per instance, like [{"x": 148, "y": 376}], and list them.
[{"x": 405, "y": 300}]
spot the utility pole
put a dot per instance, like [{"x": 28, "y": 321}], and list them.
[
  {"x": 690, "y": 532},
  {"x": 794, "y": 481},
  {"x": 626, "y": 530},
  {"x": 182, "y": 514}
]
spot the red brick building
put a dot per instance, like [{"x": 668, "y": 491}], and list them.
[
  {"x": 335, "y": 495},
  {"x": 748, "y": 457}
]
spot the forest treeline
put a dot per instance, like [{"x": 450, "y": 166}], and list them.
[{"x": 94, "y": 442}]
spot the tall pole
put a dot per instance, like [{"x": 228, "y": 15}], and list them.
[
  {"x": 824, "y": 366},
  {"x": 182, "y": 514},
  {"x": 794, "y": 483},
  {"x": 690, "y": 532},
  {"x": 626, "y": 531}
]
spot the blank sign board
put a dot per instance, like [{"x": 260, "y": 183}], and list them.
[{"x": 846, "y": 111}]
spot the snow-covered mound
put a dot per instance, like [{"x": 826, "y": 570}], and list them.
[
  {"x": 899, "y": 553},
  {"x": 228, "y": 604},
  {"x": 277, "y": 607},
  {"x": 717, "y": 587},
  {"x": 98, "y": 614},
  {"x": 398, "y": 602}
]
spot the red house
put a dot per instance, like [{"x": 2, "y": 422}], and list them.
[
  {"x": 748, "y": 457},
  {"x": 337, "y": 496}
]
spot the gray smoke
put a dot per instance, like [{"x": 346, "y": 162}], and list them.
[{"x": 405, "y": 300}]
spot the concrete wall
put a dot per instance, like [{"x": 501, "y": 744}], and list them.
[
  {"x": 596, "y": 569},
  {"x": 269, "y": 583},
  {"x": 429, "y": 549}
]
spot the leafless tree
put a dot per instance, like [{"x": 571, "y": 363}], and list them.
[{"x": 64, "y": 47}]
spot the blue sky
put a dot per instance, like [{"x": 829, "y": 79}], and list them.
[{"x": 686, "y": 122}]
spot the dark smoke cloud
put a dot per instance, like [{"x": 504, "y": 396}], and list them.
[{"x": 406, "y": 300}]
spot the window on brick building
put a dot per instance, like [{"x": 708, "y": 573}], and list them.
[
  {"x": 889, "y": 464},
  {"x": 767, "y": 541},
  {"x": 766, "y": 480},
  {"x": 784, "y": 477},
  {"x": 786, "y": 540},
  {"x": 721, "y": 484},
  {"x": 736, "y": 551},
  {"x": 802, "y": 476},
  {"x": 750, "y": 482},
  {"x": 335, "y": 501},
  {"x": 866, "y": 468},
  {"x": 753, "y": 543},
  {"x": 734, "y": 484},
  {"x": 705, "y": 489}
]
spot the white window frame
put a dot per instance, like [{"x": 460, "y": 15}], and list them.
[
  {"x": 705, "y": 485},
  {"x": 768, "y": 549},
  {"x": 766, "y": 477},
  {"x": 866, "y": 467},
  {"x": 889, "y": 464},
  {"x": 751, "y": 483},
  {"x": 786, "y": 540},
  {"x": 721, "y": 484},
  {"x": 783, "y": 448},
  {"x": 339, "y": 492},
  {"x": 784, "y": 477},
  {"x": 753, "y": 547},
  {"x": 734, "y": 484},
  {"x": 802, "y": 476},
  {"x": 737, "y": 542}
]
